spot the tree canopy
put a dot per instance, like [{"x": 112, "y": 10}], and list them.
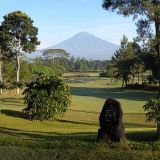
[
  {"x": 147, "y": 14},
  {"x": 22, "y": 36},
  {"x": 50, "y": 53}
]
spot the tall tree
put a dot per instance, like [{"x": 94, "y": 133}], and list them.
[
  {"x": 56, "y": 56},
  {"x": 123, "y": 61},
  {"x": 138, "y": 59},
  {"x": 147, "y": 13},
  {"x": 135, "y": 55},
  {"x": 23, "y": 36},
  {"x": 51, "y": 53}
]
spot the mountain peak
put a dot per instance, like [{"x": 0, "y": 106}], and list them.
[
  {"x": 84, "y": 34},
  {"x": 88, "y": 46}
]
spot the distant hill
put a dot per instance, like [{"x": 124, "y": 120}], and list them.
[{"x": 88, "y": 46}]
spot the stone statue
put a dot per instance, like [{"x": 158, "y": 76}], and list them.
[{"x": 110, "y": 119}]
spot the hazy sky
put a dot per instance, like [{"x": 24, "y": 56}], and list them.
[{"x": 58, "y": 20}]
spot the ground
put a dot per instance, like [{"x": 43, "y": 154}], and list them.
[{"x": 74, "y": 135}]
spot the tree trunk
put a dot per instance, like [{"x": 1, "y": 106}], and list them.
[
  {"x": 138, "y": 77},
  {"x": 142, "y": 74},
  {"x": 1, "y": 90},
  {"x": 111, "y": 79},
  {"x": 157, "y": 27},
  {"x": 126, "y": 81},
  {"x": 122, "y": 82},
  {"x": 133, "y": 77},
  {"x": 18, "y": 70}
]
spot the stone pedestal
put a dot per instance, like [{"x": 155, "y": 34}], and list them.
[{"x": 110, "y": 119}]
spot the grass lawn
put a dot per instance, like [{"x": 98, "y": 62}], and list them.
[{"x": 74, "y": 135}]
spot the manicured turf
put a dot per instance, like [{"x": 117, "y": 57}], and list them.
[{"x": 76, "y": 132}]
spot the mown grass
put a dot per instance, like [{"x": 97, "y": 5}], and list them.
[{"x": 74, "y": 135}]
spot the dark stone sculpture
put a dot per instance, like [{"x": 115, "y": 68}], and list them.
[{"x": 110, "y": 119}]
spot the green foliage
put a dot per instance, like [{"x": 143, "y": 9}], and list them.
[
  {"x": 46, "y": 97},
  {"x": 25, "y": 72},
  {"x": 151, "y": 80},
  {"x": 22, "y": 34},
  {"x": 148, "y": 27},
  {"x": 2, "y": 85},
  {"x": 57, "y": 60},
  {"x": 4, "y": 46},
  {"x": 15, "y": 85},
  {"x": 9, "y": 72},
  {"x": 59, "y": 66},
  {"x": 12, "y": 85},
  {"x": 59, "y": 70},
  {"x": 153, "y": 109},
  {"x": 37, "y": 68},
  {"x": 82, "y": 64},
  {"x": 51, "y": 53},
  {"x": 123, "y": 61},
  {"x": 151, "y": 63}
]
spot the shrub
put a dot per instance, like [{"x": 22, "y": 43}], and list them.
[
  {"x": 153, "y": 109},
  {"x": 103, "y": 74},
  {"x": 46, "y": 97},
  {"x": 15, "y": 85}
]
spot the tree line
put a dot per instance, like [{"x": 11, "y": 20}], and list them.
[{"x": 56, "y": 66}]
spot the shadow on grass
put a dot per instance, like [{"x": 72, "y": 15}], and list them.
[
  {"x": 48, "y": 136},
  {"x": 138, "y": 125},
  {"x": 117, "y": 93},
  {"x": 76, "y": 122},
  {"x": 138, "y": 136},
  {"x": 142, "y": 136},
  {"x": 13, "y": 113},
  {"x": 19, "y": 114}
]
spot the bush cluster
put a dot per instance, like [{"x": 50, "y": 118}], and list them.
[{"x": 46, "y": 97}]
